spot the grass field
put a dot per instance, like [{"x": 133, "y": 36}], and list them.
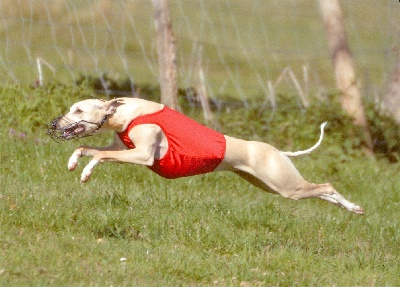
[{"x": 211, "y": 230}]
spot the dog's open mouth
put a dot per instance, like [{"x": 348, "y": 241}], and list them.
[
  {"x": 71, "y": 132},
  {"x": 74, "y": 130}
]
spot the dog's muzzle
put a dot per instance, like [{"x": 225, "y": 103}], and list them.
[{"x": 73, "y": 130}]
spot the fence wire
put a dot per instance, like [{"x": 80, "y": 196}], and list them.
[{"x": 244, "y": 46}]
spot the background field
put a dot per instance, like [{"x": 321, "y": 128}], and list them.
[
  {"x": 211, "y": 230},
  {"x": 244, "y": 43}
]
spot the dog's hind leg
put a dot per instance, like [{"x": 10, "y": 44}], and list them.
[
  {"x": 328, "y": 193},
  {"x": 266, "y": 167},
  {"x": 305, "y": 190}
]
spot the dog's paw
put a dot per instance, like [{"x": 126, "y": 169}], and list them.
[
  {"x": 87, "y": 171},
  {"x": 358, "y": 210},
  {"x": 72, "y": 164},
  {"x": 73, "y": 160},
  {"x": 85, "y": 177}
]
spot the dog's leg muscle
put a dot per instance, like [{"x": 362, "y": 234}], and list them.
[
  {"x": 148, "y": 140},
  {"x": 92, "y": 151},
  {"x": 142, "y": 156}
]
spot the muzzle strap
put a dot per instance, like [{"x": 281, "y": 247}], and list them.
[{"x": 61, "y": 133}]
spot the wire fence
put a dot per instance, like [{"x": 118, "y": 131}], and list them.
[{"x": 248, "y": 48}]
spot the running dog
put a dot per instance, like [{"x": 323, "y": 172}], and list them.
[{"x": 173, "y": 145}]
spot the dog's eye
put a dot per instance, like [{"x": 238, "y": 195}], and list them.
[{"x": 78, "y": 111}]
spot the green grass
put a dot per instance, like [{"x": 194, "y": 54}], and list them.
[
  {"x": 195, "y": 231},
  {"x": 213, "y": 229}
]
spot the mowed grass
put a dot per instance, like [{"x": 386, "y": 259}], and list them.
[{"x": 213, "y": 229}]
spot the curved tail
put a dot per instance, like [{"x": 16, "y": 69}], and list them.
[{"x": 297, "y": 153}]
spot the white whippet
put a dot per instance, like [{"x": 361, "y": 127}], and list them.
[{"x": 172, "y": 145}]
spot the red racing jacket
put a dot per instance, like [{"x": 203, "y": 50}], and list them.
[{"x": 192, "y": 148}]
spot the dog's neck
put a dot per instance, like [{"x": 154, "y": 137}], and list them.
[
  {"x": 117, "y": 121},
  {"x": 124, "y": 114}
]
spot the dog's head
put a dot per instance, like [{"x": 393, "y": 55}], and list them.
[{"x": 83, "y": 119}]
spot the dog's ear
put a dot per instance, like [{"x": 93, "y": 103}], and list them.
[{"x": 111, "y": 106}]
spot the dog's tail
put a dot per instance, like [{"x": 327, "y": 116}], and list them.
[{"x": 297, "y": 153}]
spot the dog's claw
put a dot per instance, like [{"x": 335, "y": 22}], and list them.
[
  {"x": 86, "y": 175},
  {"x": 72, "y": 166},
  {"x": 85, "y": 178},
  {"x": 358, "y": 210}
]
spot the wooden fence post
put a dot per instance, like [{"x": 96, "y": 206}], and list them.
[
  {"x": 166, "y": 53},
  {"x": 343, "y": 65},
  {"x": 391, "y": 99}
]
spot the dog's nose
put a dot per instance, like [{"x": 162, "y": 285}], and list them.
[
  {"x": 55, "y": 124},
  {"x": 60, "y": 122},
  {"x": 53, "y": 128}
]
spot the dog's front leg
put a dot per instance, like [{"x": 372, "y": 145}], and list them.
[
  {"x": 73, "y": 160},
  {"x": 87, "y": 171},
  {"x": 84, "y": 151},
  {"x": 149, "y": 142},
  {"x": 142, "y": 156},
  {"x": 92, "y": 151}
]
